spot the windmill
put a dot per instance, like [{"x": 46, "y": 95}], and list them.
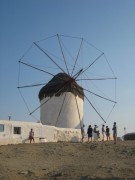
[{"x": 71, "y": 72}]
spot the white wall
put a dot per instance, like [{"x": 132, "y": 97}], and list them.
[
  {"x": 69, "y": 116},
  {"x": 48, "y": 133}
]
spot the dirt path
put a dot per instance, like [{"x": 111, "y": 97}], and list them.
[{"x": 68, "y": 161}]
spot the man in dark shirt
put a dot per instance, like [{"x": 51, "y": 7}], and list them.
[{"x": 89, "y": 132}]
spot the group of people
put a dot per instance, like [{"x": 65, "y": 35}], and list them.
[
  {"x": 104, "y": 131},
  {"x": 90, "y": 132}
]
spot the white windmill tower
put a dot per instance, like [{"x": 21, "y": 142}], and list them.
[{"x": 62, "y": 102}]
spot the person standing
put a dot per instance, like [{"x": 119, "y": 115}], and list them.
[
  {"x": 103, "y": 132},
  {"x": 114, "y": 132},
  {"x": 89, "y": 132},
  {"x": 96, "y": 131},
  {"x": 31, "y": 136},
  {"x": 82, "y": 132},
  {"x": 107, "y": 133}
]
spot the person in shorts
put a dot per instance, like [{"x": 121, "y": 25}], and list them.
[
  {"x": 89, "y": 132},
  {"x": 31, "y": 136},
  {"x": 82, "y": 132},
  {"x": 107, "y": 133},
  {"x": 103, "y": 132},
  {"x": 114, "y": 132}
]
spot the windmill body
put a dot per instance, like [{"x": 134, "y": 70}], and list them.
[{"x": 61, "y": 102}]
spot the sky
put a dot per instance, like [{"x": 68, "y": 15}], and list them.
[{"x": 107, "y": 24}]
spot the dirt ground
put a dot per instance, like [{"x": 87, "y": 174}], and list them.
[{"x": 100, "y": 160}]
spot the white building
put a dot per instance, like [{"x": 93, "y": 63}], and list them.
[{"x": 14, "y": 132}]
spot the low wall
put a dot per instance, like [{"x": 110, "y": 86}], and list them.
[{"x": 42, "y": 133}]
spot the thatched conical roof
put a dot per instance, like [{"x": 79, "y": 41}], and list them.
[{"x": 59, "y": 84}]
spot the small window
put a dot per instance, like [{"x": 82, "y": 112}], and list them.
[
  {"x": 1, "y": 127},
  {"x": 17, "y": 130}
]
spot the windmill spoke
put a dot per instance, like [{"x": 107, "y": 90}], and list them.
[
  {"x": 32, "y": 85},
  {"x": 49, "y": 98},
  {"x": 24, "y": 101},
  {"x": 78, "y": 110},
  {"x": 93, "y": 62},
  {"x": 100, "y": 96},
  {"x": 110, "y": 112},
  {"x": 92, "y": 45},
  {"x": 39, "y": 106},
  {"x": 96, "y": 79},
  {"x": 62, "y": 53},
  {"x": 61, "y": 108},
  {"x": 39, "y": 69},
  {"x": 94, "y": 109},
  {"x": 49, "y": 57},
  {"x": 74, "y": 37},
  {"x": 77, "y": 57},
  {"x": 46, "y": 38},
  {"x": 77, "y": 74},
  {"x": 36, "y": 68}
]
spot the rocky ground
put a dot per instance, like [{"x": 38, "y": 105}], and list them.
[{"x": 100, "y": 160}]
